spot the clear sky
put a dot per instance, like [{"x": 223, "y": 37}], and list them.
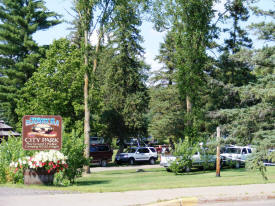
[{"x": 152, "y": 38}]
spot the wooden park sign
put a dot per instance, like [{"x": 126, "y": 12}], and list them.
[{"x": 41, "y": 132}]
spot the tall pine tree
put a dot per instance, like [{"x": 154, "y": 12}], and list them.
[
  {"x": 166, "y": 108},
  {"x": 19, "y": 53},
  {"x": 231, "y": 71},
  {"x": 125, "y": 94}
]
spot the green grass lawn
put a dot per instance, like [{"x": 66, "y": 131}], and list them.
[{"x": 125, "y": 180}]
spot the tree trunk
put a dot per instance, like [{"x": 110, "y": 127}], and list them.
[
  {"x": 189, "y": 110},
  {"x": 96, "y": 50},
  {"x": 86, "y": 107},
  {"x": 188, "y": 105}
]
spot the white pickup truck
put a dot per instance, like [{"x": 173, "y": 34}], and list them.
[
  {"x": 236, "y": 155},
  {"x": 198, "y": 160}
]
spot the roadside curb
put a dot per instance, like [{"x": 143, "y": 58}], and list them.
[
  {"x": 193, "y": 201},
  {"x": 239, "y": 198},
  {"x": 186, "y": 201}
]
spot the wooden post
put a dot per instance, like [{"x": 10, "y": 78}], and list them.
[{"x": 218, "y": 160}]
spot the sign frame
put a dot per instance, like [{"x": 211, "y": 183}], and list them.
[{"x": 42, "y": 132}]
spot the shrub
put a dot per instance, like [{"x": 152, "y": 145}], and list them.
[
  {"x": 183, "y": 151},
  {"x": 11, "y": 150},
  {"x": 73, "y": 147}
]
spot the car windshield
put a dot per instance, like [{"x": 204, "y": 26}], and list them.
[
  {"x": 131, "y": 150},
  {"x": 233, "y": 150},
  {"x": 93, "y": 149}
]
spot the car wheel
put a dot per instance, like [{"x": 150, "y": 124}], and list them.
[
  {"x": 187, "y": 169},
  {"x": 103, "y": 163},
  {"x": 152, "y": 161},
  {"x": 131, "y": 161}
]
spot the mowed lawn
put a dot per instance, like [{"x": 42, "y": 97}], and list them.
[{"x": 125, "y": 180}]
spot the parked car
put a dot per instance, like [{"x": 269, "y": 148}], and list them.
[
  {"x": 96, "y": 140},
  {"x": 137, "y": 154},
  {"x": 101, "y": 154},
  {"x": 236, "y": 155},
  {"x": 198, "y": 160}
]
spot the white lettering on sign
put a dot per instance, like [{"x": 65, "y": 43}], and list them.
[
  {"x": 32, "y": 140},
  {"x": 51, "y": 140}
]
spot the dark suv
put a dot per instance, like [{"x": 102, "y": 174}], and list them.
[{"x": 101, "y": 154}]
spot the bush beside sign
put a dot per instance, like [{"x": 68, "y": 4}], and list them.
[{"x": 41, "y": 132}]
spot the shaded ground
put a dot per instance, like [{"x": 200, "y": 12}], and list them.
[{"x": 124, "y": 167}]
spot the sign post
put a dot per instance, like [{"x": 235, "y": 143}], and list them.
[
  {"x": 218, "y": 160},
  {"x": 42, "y": 132}
]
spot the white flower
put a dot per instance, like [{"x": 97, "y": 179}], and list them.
[{"x": 41, "y": 157}]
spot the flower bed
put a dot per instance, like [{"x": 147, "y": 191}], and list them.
[{"x": 40, "y": 168}]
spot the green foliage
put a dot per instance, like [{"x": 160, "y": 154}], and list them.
[
  {"x": 192, "y": 31},
  {"x": 125, "y": 97},
  {"x": 73, "y": 147},
  {"x": 219, "y": 95},
  {"x": 264, "y": 30},
  {"x": 184, "y": 54},
  {"x": 264, "y": 61},
  {"x": 252, "y": 118},
  {"x": 232, "y": 70},
  {"x": 183, "y": 152},
  {"x": 19, "y": 53},
  {"x": 54, "y": 88},
  {"x": 237, "y": 12},
  {"x": 228, "y": 69},
  {"x": 10, "y": 151},
  {"x": 262, "y": 153},
  {"x": 166, "y": 113},
  {"x": 61, "y": 180},
  {"x": 167, "y": 74}
]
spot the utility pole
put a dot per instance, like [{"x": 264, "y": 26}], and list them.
[{"x": 218, "y": 159}]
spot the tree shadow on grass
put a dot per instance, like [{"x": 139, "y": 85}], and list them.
[
  {"x": 92, "y": 182},
  {"x": 197, "y": 171}
]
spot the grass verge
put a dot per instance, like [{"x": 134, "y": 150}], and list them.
[{"x": 126, "y": 180}]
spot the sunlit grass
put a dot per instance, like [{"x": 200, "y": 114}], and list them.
[{"x": 126, "y": 180}]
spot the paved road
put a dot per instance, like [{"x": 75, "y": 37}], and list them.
[{"x": 131, "y": 198}]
